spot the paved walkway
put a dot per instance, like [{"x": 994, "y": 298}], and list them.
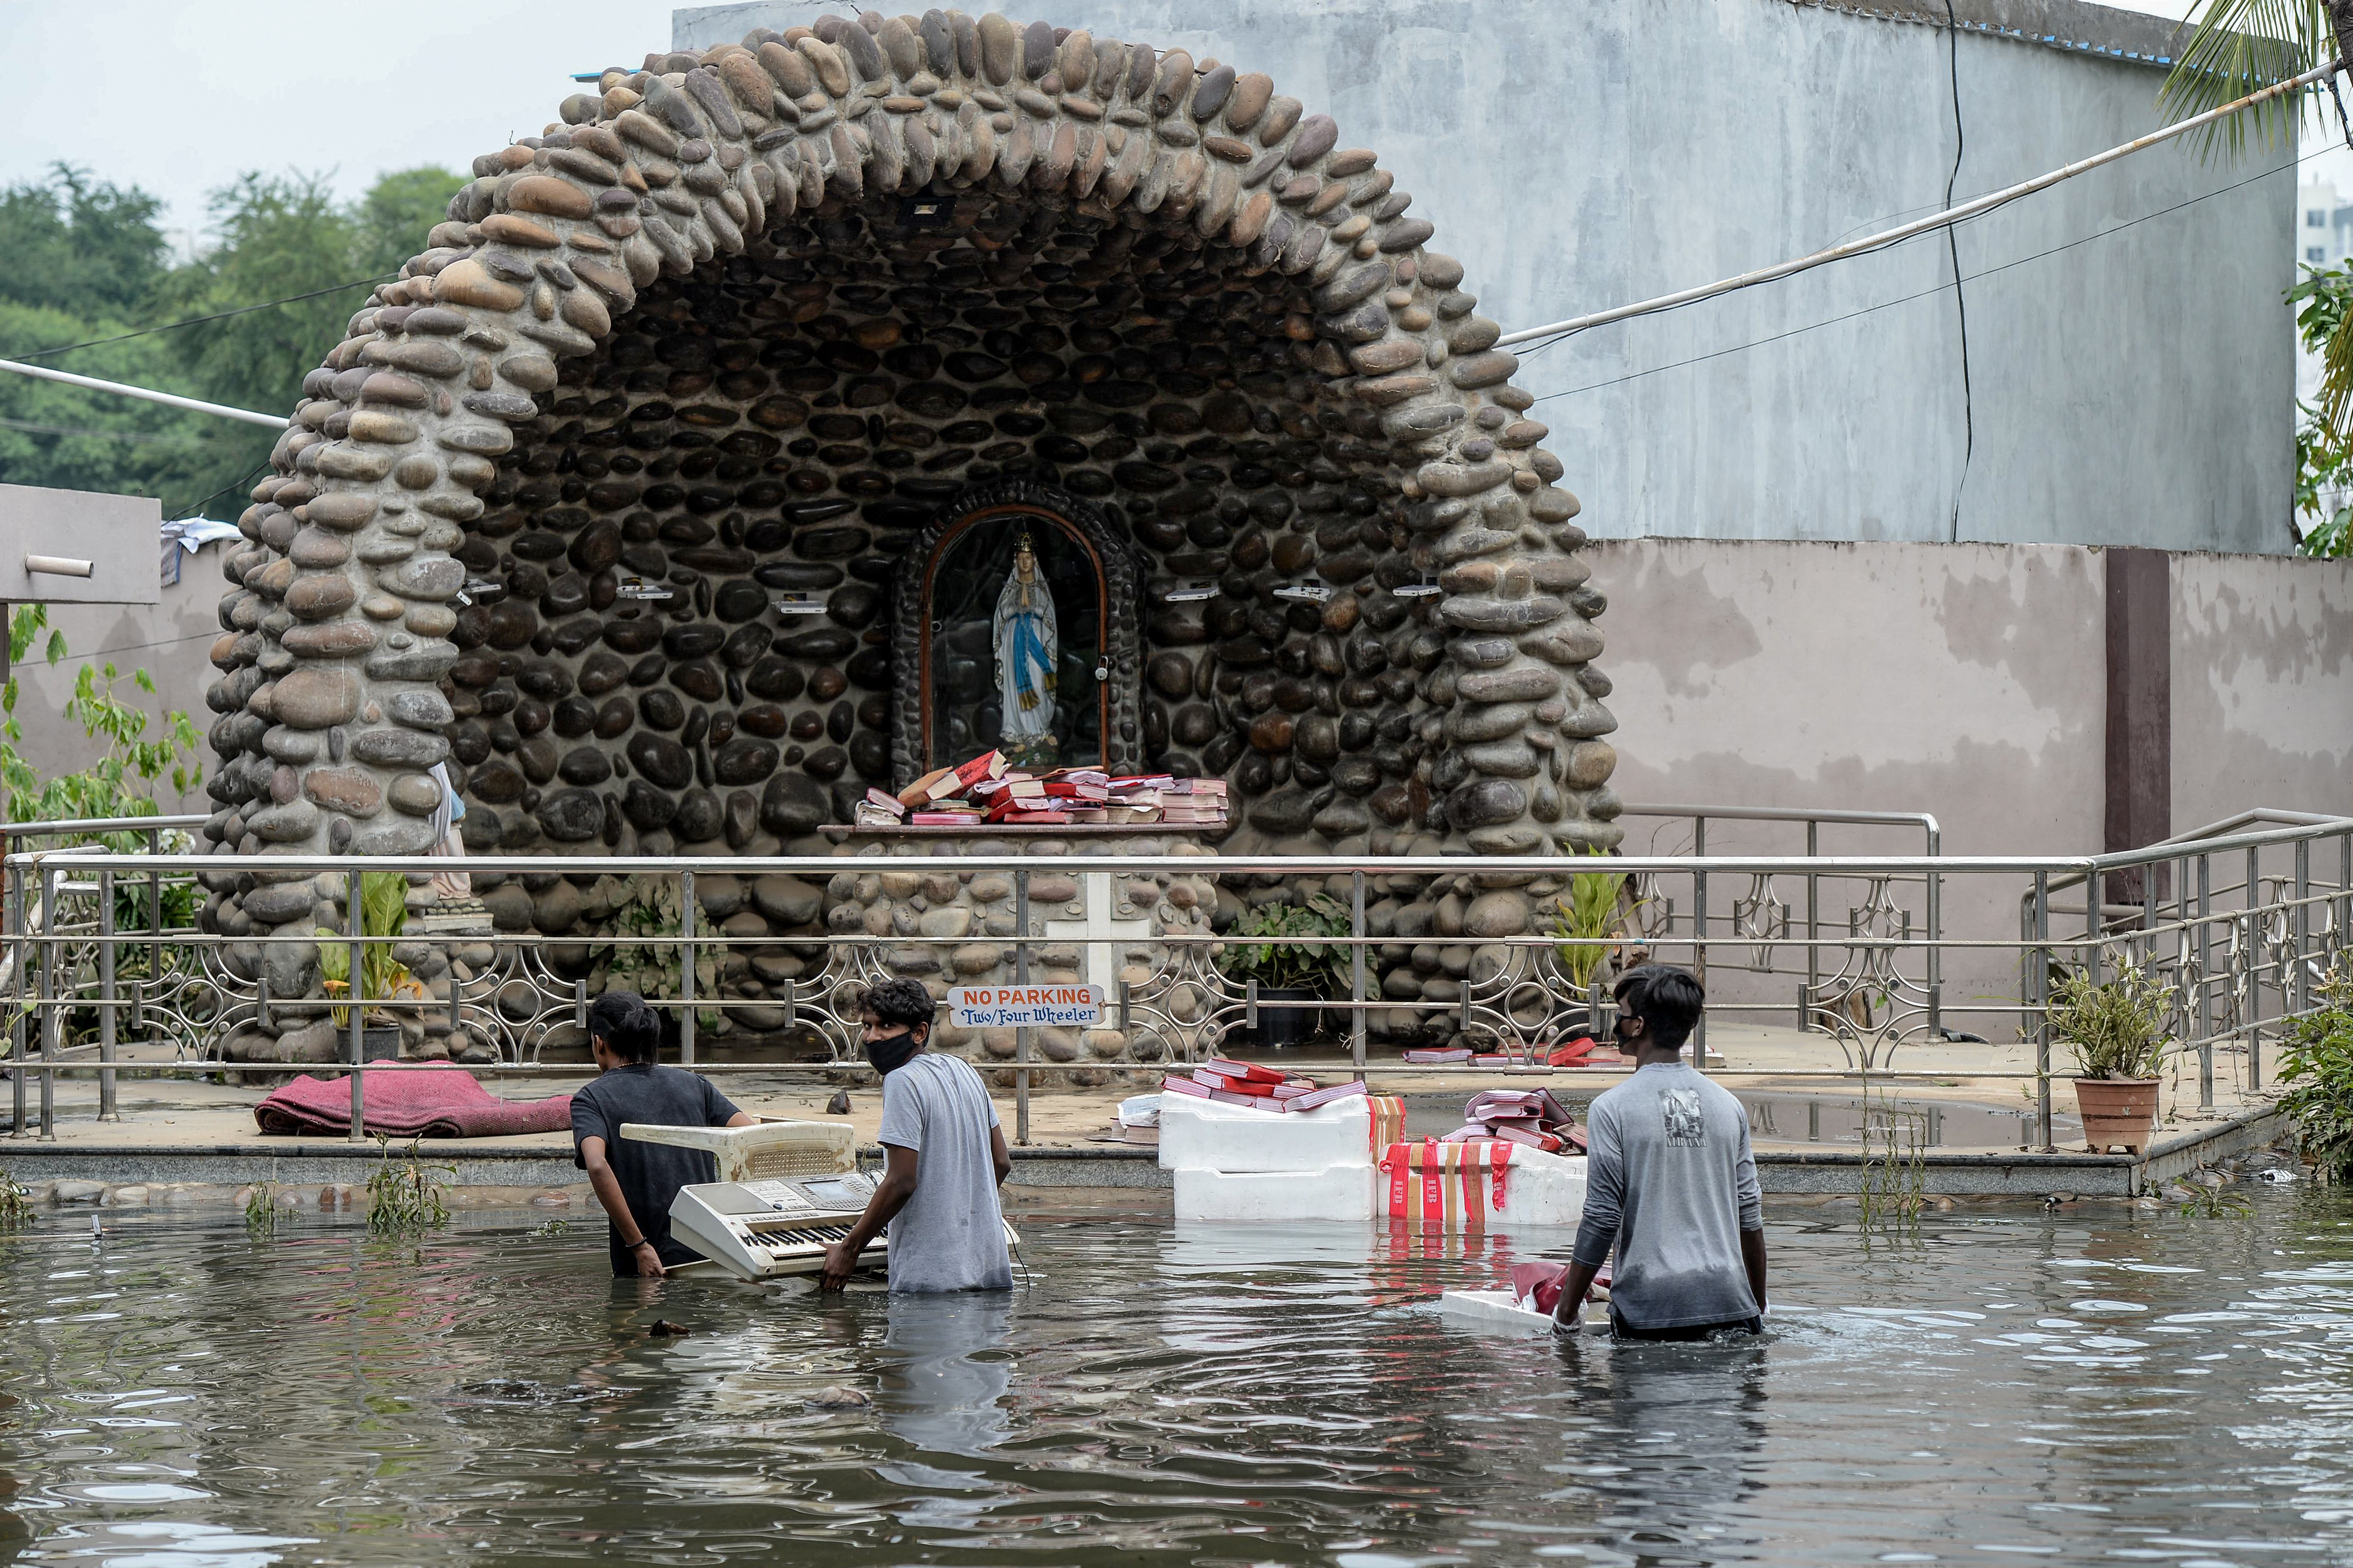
[{"x": 1801, "y": 1094}]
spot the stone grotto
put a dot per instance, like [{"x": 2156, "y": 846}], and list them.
[{"x": 662, "y": 497}]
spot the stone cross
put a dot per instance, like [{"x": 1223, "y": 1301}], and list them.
[{"x": 1106, "y": 939}]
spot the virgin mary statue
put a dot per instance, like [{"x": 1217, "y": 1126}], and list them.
[{"x": 1026, "y": 648}]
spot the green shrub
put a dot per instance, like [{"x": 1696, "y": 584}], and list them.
[
  {"x": 2318, "y": 1067},
  {"x": 1586, "y": 917},
  {"x": 1299, "y": 962},
  {"x": 2114, "y": 1029}
]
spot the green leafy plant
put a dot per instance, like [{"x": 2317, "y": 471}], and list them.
[
  {"x": 121, "y": 780},
  {"x": 2113, "y": 1028},
  {"x": 1277, "y": 945},
  {"x": 405, "y": 1195},
  {"x": 2215, "y": 1203},
  {"x": 1587, "y": 918},
  {"x": 2316, "y": 1066},
  {"x": 262, "y": 1210},
  {"x": 2323, "y": 457},
  {"x": 1894, "y": 1168},
  {"x": 16, "y": 1209},
  {"x": 383, "y": 912}
]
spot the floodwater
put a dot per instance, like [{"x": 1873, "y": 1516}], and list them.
[{"x": 2088, "y": 1385}]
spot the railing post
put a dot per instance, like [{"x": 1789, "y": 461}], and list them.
[
  {"x": 52, "y": 1012},
  {"x": 686, "y": 968},
  {"x": 1356, "y": 971},
  {"x": 2096, "y": 924},
  {"x": 355, "y": 994},
  {"x": 2040, "y": 988},
  {"x": 107, "y": 1111},
  {"x": 1813, "y": 924},
  {"x": 1699, "y": 938},
  {"x": 18, "y": 915},
  {"x": 2299, "y": 998},
  {"x": 1935, "y": 939},
  {"x": 155, "y": 933},
  {"x": 1021, "y": 1035},
  {"x": 2254, "y": 975},
  {"x": 2205, "y": 1020}
]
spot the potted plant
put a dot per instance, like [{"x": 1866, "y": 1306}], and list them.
[
  {"x": 2115, "y": 1031},
  {"x": 1289, "y": 964},
  {"x": 1589, "y": 921},
  {"x": 383, "y": 912}
]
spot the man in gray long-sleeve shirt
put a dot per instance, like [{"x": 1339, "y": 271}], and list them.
[{"x": 1670, "y": 1183}]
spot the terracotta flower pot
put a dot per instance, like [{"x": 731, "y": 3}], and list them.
[{"x": 2117, "y": 1110}]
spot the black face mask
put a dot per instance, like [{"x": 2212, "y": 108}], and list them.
[
  {"x": 1618, "y": 1033},
  {"x": 889, "y": 1053}
]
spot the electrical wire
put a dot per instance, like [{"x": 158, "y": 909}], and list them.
[
  {"x": 34, "y": 428},
  {"x": 1953, "y": 249},
  {"x": 1925, "y": 293},
  {"x": 200, "y": 321}
]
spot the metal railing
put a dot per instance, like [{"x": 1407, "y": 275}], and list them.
[{"x": 2244, "y": 972}]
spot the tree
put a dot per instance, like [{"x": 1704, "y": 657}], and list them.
[{"x": 88, "y": 263}]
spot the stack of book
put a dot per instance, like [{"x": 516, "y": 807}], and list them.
[
  {"x": 1260, "y": 1088},
  {"x": 986, "y": 792}
]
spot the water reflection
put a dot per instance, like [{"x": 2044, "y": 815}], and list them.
[
  {"x": 2089, "y": 1384},
  {"x": 945, "y": 1372}
]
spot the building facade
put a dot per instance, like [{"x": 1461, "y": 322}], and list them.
[{"x": 1586, "y": 156}]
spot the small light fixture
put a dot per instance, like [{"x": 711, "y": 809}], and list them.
[
  {"x": 482, "y": 589},
  {"x": 800, "y": 602},
  {"x": 926, "y": 212},
  {"x": 1305, "y": 592},
  {"x": 639, "y": 588},
  {"x": 1426, "y": 588},
  {"x": 1188, "y": 592}
]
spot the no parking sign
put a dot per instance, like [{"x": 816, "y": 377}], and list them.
[{"x": 1025, "y": 1006}]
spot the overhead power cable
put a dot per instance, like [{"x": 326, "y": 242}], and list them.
[
  {"x": 169, "y": 400},
  {"x": 1885, "y": 237},
  {"x": 1928, "y": 292},
  {"x": 215, "y": 316}
]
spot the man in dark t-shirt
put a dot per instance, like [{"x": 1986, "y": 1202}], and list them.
[{"x": 637, "y": 1182}]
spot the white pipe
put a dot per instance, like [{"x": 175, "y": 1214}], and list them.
[
  {"x": 198, "y": 405},
  {"x": 1879, "y": 241}
]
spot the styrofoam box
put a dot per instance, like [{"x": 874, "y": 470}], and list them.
[
  {"x": 1220, "y": 1197},
  {"x": 1207, "y": 1135},
  {"x": 1539, "y": 1189}
]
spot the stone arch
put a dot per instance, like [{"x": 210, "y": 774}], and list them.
[
  {"x": 1122, "y": 645},
  {"x": 446, "y": 442}
]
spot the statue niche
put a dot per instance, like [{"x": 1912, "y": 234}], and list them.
[{"x": 1018, "y": 613}]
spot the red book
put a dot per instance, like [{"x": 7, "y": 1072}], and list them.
[
  {"x": 1253, "y": 1070},
  {"x": 1533, "y": 1139},
  {"x": 987, "y": 766},
  {"x": 1241, "y": 1086},
  {"x": 1018, "y": 817},
  {"x": 1457, "y": 1054},
  {"x": 1065, "y": 789}
]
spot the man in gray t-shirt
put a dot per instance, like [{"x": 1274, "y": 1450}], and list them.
[
  {"x": 943, "y": 1159},
  {"x": 1670, "y": 1184}
]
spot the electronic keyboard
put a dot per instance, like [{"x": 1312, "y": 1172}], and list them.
[{"x": 763, "y": 1229}]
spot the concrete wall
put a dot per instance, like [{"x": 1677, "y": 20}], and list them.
[
  {"x": 2263, "y": 686},
  {"x": 1967, "y": 682},
  {"x": 170, "y": 640},
  {"x": 2132, "y": 389}
]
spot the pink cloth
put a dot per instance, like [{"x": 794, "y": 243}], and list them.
[{"x": 414, "y": 1101}]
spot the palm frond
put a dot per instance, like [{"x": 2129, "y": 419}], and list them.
[
  {"x": 2334, "y": 403},
  {"x": 2240, "y": 46}
]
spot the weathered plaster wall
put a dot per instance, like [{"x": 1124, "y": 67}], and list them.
[
  {"x": 167, "y": 641},
  {"x": 1569, "y": 154},
  {"x": 2263, "y": 686},
  {"x": 1964, "y": 681}
]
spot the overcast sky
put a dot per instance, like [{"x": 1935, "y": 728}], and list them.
[{"x": 181, "y": 96}]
